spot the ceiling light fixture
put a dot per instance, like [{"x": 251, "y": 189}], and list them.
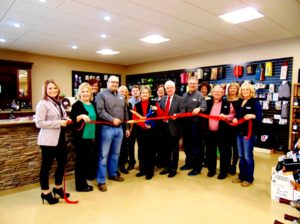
[
  {"x": 107, "y": 52},
  {"x": 241, "y": 15},
  {"x": 17, "y": 25},
  {"x": 74, "y": 47},
  {"x": 107, "y": 18},
  {"x": 42, "y": 0},
  {"x": 2, "y": 40},
  {"x": 103, "y": 35},
  {"x": 154, "y": 39}
]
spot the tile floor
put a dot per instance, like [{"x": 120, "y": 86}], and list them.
[{"x": 183, "y": 199}]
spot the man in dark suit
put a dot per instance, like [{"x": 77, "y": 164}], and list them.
[
  {"x": 217, "y": 134},
  {"x": 171, "y": 104}
]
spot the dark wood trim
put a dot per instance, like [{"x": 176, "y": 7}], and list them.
[{"x": 16, "y": 64}]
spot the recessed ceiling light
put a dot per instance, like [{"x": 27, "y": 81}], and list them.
[
  {"x": 103, "y": 35},
  {"x": 241, "y": 15},
  {"x": 17, "y": 25},
  {"x": 74, "y": 47},
  {"x": 2, "y": 40},
  {"x": 42, "y": 0},
  {"x": 154, "y": 39},
  {"x": 107, "y": 52},
  {"x": 107, "y": 18}
]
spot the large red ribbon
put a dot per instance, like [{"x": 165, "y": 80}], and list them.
[
  {"x": 181, "y": 115},
  {"x": 65, "y": 197}
]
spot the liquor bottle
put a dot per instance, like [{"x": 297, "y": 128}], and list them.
[{"x": 296, "y": 103}]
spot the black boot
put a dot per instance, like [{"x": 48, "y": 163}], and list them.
[
  {"x": 49, "y": 198},
  {"x": 123, "y": 170},
  {"x": 60, "y": 192}
]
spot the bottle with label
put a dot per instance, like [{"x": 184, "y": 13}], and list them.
[{"x": 296, "y": 103}]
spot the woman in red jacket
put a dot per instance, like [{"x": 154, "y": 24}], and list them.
[{"x": 145, "y": 133}]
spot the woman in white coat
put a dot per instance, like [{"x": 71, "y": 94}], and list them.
[{"x": 51, "y": 118}]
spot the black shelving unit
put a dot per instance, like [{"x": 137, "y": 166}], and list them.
[{"x": 79, "y": 77}]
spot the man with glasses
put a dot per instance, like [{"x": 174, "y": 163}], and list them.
[
  {"x": 217, "y": 134},
  {"x": 111, "y": 107},
  {"x": 194, "y": 102}
]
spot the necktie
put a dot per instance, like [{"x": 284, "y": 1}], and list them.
[{"x": 167, "y": 107}]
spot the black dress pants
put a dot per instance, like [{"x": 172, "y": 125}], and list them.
[
  {"x": 49, "y": 153},
  {"x": 131, "y": 144},
  {"x": 233, "y": 152},
  {"x": 171, "y": 149},
  {"x": 193, "y": 145},
  {"x": 124, "y": 152},
  {"x": 147, "y": 150},
  {"x": 82, "y": 166},
  {"x": 217, "y": 140}
]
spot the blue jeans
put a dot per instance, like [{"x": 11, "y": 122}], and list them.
[
  {"x": 246, "y": 165},
  {"x": 109, "y": 151}
]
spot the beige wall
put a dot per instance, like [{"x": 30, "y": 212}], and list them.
[
  {"x": 275, "y": 49},
  {"x": 60, "y": 69}
]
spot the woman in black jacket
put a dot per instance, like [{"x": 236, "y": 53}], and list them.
[
  {"x": 83, "y": 111},
  {"x": 249, "y": 108}
]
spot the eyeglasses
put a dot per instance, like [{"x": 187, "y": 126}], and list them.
[{"x": 116, "y": 82}]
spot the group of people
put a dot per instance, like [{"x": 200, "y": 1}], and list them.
[{"x": 104, "y": 150}]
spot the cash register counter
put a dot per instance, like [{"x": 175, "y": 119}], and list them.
[{"x": 20, "y": 156}]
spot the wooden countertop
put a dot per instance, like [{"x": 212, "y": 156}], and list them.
[
  {"x": 17, "y": 121},
  {"x": 23, "y": 111}
]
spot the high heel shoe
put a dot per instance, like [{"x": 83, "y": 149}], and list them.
[
  {"x": 49, "y": 198},
  {"x": 60, "y": 192}
]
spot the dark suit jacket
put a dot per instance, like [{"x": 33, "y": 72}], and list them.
[{"x": 176, "y": 107}]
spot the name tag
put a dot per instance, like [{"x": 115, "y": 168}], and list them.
[
  {"x": 248, "y": 108},
  {"x": 194, "y": 99},
  {"x": 121, "y": 97}
]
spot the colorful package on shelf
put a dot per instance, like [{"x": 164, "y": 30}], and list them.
[
  {"x": 269, "y": 69},
  {"x": 184, "y": 77},
  {"x": 221, "y": 72},
  {"x": 238, "y": 71},
  {"x": 214, "y": 74},
  {"x": 284, "y": 70},
  {"x": 250, "y": 69},
  {"x": 259, "y": 73}
]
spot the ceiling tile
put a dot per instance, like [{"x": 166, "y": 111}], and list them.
[
  {"x": 25, "y": 20},
  {"x": 267, "y": 29},
  {"x": 49, "y": 4},
  {"x": 30, "y": 9},
  {"x": 77, "y": 8},
  {"x": 6, "y": 3},
  {"x": 97, "y": 3}
]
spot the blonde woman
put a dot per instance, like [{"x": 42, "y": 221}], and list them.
[
  {"x": 233, "y": 98},
  {"x": 83, "y": 111},
  {"x": 249, "y": 109}
]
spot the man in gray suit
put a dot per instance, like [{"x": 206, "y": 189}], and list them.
[{"x": 171, "y": 104}]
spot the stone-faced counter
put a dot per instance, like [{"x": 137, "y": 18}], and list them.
[{"x": 20, "y": 156}]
